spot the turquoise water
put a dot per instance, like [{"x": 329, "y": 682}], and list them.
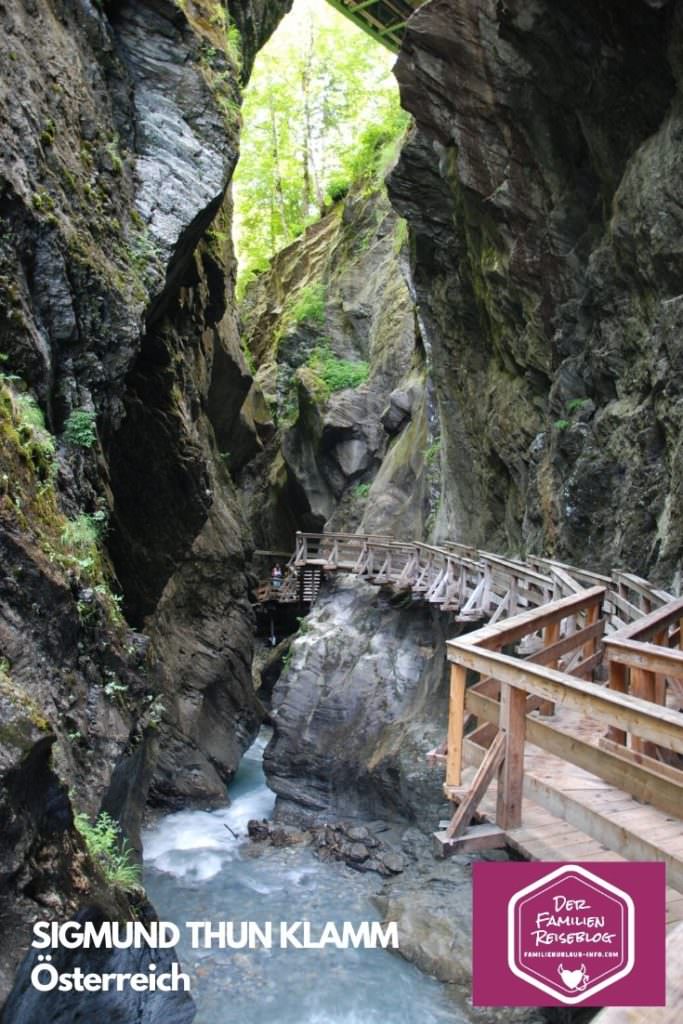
[{"x": 196, "y": 871}]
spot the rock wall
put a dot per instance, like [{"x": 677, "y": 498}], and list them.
[
  {"x": 362, "y": 698},
  {"x": 542, "y": 190},
  {"x": 119, "y": 127},
  {"x": 344, "y": 458}
]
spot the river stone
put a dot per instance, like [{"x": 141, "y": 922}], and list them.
[
  {"x": 358, "y": 833},
  {"x": 393, "y": 862}
]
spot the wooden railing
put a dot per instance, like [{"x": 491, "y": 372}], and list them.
[
  {"x": 474, "y": 584},
  {"x": 565, "y": 643},
  {"x": 645, "y": 660},
  {"x": 569, "y": 628}
]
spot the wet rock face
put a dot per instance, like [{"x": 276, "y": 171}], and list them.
[
  {"x": 352, "y": 458},
  {"x": 542, "y": 187},
  {"x": 361, "y": 701},
  {"x": 118, "y": 137}
]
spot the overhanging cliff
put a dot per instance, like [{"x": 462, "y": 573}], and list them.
[{"x": 542, "y": 187}]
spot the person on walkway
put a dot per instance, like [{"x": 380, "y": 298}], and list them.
[{"x": 276, "y": 576}]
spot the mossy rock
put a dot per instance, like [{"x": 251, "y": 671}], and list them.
[{"x": 22, "y": 722}]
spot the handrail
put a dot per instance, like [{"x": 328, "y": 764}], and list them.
[
  {"x": 529, "y": 583},
  {"x": 650, "y": 658},
  {"x": 655, "y": 622},
  {"x": 507, "y": 632},
  {"x": 652, "y": 721}
]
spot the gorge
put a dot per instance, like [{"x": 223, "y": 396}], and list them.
[{"x": 485, "y": 349}]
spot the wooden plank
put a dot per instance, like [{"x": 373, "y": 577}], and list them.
[
  {"x": 476, "y": 839},
  {"x": 510, "y": 779},
  {"x": 600, "y": 826},
  {"x": 654, "y": 766},
  {"x": 485, "y": 772},
  {"x": 652, "y": 722},
  {"x": 648, "y": 781},
  {"x": 592, "y": 578},
  {"x": 572, "y": 585},
  {"x": 654, "y": 621},
  {"x": 586, "y": 668},
  {"x": 456, "y": 721}
]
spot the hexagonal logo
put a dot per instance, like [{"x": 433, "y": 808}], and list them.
[
  {"x": 571, "y": 934},
  {"x": 568, "y": 934}
]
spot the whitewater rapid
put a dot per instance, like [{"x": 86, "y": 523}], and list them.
[{"x": 196, "y": 869}]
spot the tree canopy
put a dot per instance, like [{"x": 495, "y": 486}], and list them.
[{"x": 321, "y": 112}]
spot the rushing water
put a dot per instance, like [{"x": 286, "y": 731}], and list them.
[{"x": 196, "y": 871}]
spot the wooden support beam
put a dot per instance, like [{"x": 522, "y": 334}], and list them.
[
  {"x": 658, "y": 770},
  {"x": 551, "y": 636},
  {"x": 512, "y": 630},
  {"x": 592, "y": 616},
  {"x": 647, "y": 625},
  {"x": 482, "y": 779},
  {"x": 511, "y": 775},
  {"x": 550, "y": 655},
  {"x": 456, "y": 721},
  {"x": 642, "y": 686}
]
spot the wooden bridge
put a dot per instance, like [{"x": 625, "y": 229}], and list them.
[
  {"x": 565, "y": 732},
  {"x": 384, "y": 20}
]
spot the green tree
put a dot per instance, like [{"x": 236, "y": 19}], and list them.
[{"x": 320, "y": 112}]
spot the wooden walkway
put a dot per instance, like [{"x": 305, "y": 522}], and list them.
[
  {"x": 565, "y": 733},
  {"x": 384, "y": 20}
]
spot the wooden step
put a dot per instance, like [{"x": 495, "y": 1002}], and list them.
[
  {"x": 607, "y": 814},
  {"x": 612, "y": 818},
  {"x": 543, "y": 836}
]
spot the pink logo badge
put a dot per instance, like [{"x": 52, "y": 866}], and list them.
[
  {"x": 571, "y": 934},
  {"x": 568, "y": 934}
]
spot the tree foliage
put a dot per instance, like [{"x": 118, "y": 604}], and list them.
[{"x": 320, "y": 113}]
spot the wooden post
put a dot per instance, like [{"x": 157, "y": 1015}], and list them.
[
  {"x": 551, "y": 634},
  {"x": 643, "y": 686},
  {"x": 456, "y": 721},
  {"x": 617, "y": 682},
  {"x": 662, "y": 640},
  {"x": 592, "y": 616},
  {"x": 511, "y": 775}
]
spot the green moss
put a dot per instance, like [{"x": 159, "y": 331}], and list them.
[
  {"x": 309, "y": 305},
  {"x": 47, "y": 135},
  {"x": 337, "y": 374},
  {"x": 30, "y": 716},
  {"x": 432, "y": 452},
  {"x": 43, "y": 202},
  {"x": 29, "y": 502},
  {"x": 114, "y": 154}
]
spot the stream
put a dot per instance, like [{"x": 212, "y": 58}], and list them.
[{"x": 196, "y": 871}]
